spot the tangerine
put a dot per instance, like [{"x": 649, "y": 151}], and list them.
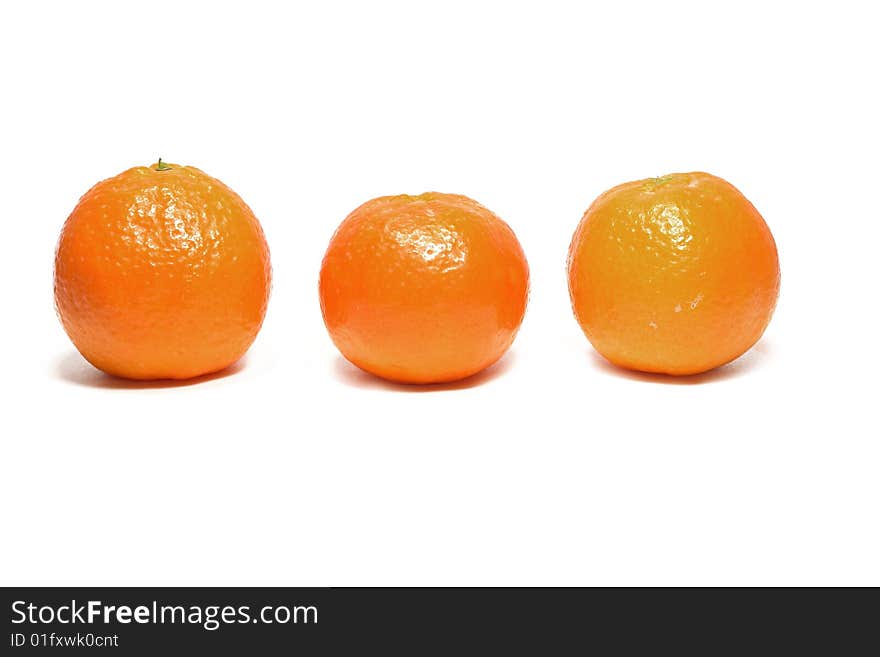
[
  {"x": 162, "y": 272},
  {"x": 677, "y": 274},
  {"x": 423, "y": 289}
]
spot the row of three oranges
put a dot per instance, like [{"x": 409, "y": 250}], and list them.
[{"x": 163, "y": 272}]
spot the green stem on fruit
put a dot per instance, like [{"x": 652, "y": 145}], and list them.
[
  {"x": 161, "y": 166},
  {"x": 652, "y": 183}
]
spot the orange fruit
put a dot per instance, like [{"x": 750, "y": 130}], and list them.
[
  {"x": 423, "y": 289},
  {"x": 162, "y": 272},
  {"x": 677, "y": 274}
]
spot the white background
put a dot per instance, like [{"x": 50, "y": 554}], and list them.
[{"x": 553, "y": 467}]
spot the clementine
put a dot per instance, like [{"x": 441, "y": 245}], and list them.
[
  {"x": 162, "y": 272},
  {"x": 677, "y": 274},
  {"x": 423, "y": 289}
]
